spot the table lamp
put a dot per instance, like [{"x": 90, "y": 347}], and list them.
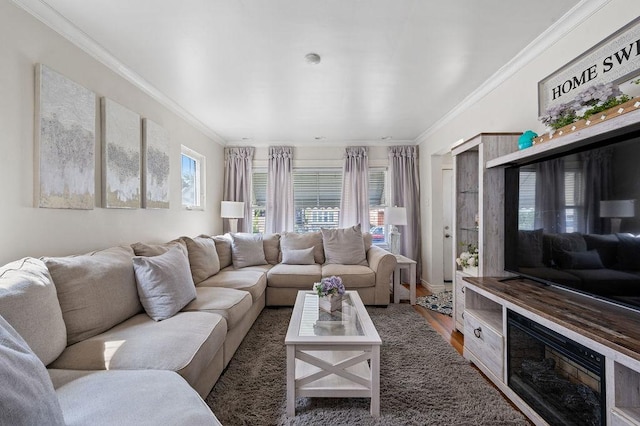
[
  {"x": 616, "y": 210},
  {"x": 232, "y": 210},
  {"x": 395, "y": 216}
]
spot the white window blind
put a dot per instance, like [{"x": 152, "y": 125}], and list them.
[
  {"x": 316, "y": 196},
  {"x": 259, "y": 201}
]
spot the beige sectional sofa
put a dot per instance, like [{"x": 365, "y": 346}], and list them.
[{"x": 90, "y": 320}]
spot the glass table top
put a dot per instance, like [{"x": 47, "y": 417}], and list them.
[{"x": 317, "y": 322}]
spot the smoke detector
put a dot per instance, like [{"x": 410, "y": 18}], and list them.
[{"x": 312, "y": 58}]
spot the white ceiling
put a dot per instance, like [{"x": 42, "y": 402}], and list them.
[{"x": 389, "y": 67}]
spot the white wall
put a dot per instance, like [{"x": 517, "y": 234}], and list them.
[
  {"x": 29, "y": 231},
  {"x": 511, "y": 107}
]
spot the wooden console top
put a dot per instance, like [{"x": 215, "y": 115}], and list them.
[{"x": 613, "y": 326}]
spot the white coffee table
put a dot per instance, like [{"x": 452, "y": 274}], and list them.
[{"x": 333, "y": 355}]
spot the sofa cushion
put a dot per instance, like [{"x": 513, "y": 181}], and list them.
[
  {"x": 203, "y": 257},
  {"x": 566, "y": 242},
  {"x": 247, "y": 250},
  {"x": 248, "y": 279},
  {"x": 294, "y": 276},
  {"x": 27, "y": 396},
  {"x": 223, "y": 247},
  {"x": 353, "y": 276},
  {"x": 232, "y": 304},
  {"x": 368, "y": 240},
  {"x": 295, "y": 241},
  {"x": 28, "y": 302},
  {"x": 164, "y": 282},
  {"x": 606, "y": 245},
  {"x": 530, "y": 248},
  {"x": 344, "y": 246},
  {"x": 271, "y": 245},
  {"x": 628, "y": 252},
  {"x": 105, "y": 398},
  {"x": 579, "y": 260},
  {"x": 298, "y": 257},
  {"x": 185, "y": 343},
  {"x": 144, "y": 249},
  {"x": 96, "y": 290}
]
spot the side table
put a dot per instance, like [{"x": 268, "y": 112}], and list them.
[{"x": 404, "y": 263}]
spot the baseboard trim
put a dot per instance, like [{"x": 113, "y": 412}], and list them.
[{"x": 435, "y": 288}]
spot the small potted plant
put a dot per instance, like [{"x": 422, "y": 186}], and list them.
[
  {"x": 330, "y": 291},
  {"x": 468, "y": 259}
]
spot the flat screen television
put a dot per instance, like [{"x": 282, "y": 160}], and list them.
[{"x": 573, "y": 220}]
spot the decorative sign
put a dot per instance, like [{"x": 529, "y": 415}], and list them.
[{"x": 614, "y": 60}]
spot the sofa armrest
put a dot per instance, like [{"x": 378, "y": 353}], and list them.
[{"x": 383, "y": 264}]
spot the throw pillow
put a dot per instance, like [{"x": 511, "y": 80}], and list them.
[
  {"x": 530, "y": 249},
  {"x": 298, "y": 257},
  {"x": 344, "y": 246},
  {"x": 247, "y": 250},
  {"x": 27, "y": 396},
  {"x": 628, "y": 252},
  {"x": 164, "y": 283},
  {"x": 580, "y": 260},
  {"x": 203, "y": 257}
]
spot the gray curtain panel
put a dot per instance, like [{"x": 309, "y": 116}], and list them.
[
  {"x": 280, "y": 209},
  {"x": 237, "y": 182},
  {"x": 596, "y": 172},
  {"x": 354, "y": 203},
  {"x": 550, "y": 200},
  {"x": 405, "y": 192}
]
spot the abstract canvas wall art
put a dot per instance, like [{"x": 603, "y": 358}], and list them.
[
  {"x": 121, "y": 132},
  {"x": 65, "y": 142},
  {"x": 155, "y": 165}
]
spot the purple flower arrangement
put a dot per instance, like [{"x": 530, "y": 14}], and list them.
[
  {"x": 592, "y": 100},
  {"x": 329, "y": 286}
]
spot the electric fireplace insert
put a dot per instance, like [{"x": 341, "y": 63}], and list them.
[{"x": 562, "y": 380}]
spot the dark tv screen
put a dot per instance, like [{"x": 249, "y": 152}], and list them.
[{"x": 574, "y": 220}]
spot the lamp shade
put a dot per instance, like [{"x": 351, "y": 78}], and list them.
[
  {"x": 617, "y": 208},
  {"x": 232, "y": 209},
  {"x": 395, "y": 216}
]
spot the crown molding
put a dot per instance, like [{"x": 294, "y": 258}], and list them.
[
  {"x": 328, "y": 143},
  {"x": 567, "y": 23},
  {"x": 51, "y": 18}
]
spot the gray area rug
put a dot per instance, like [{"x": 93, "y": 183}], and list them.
[
  {"x": 440, "y": 302},
  {"x": 423, "y": 380}
]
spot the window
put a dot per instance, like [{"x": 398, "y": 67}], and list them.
[
  {"x": 573, "y": 202},
  {"x": 192, "y": 173},
  {"x": 377, "y": 203},
  {"x": 527, "y": 204},
  {"x": 573, "y": 199},
  {"x": 259, "y": 201},
  {"x": 317, "y": 200},
  {"x": 316, "y": 195}
]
